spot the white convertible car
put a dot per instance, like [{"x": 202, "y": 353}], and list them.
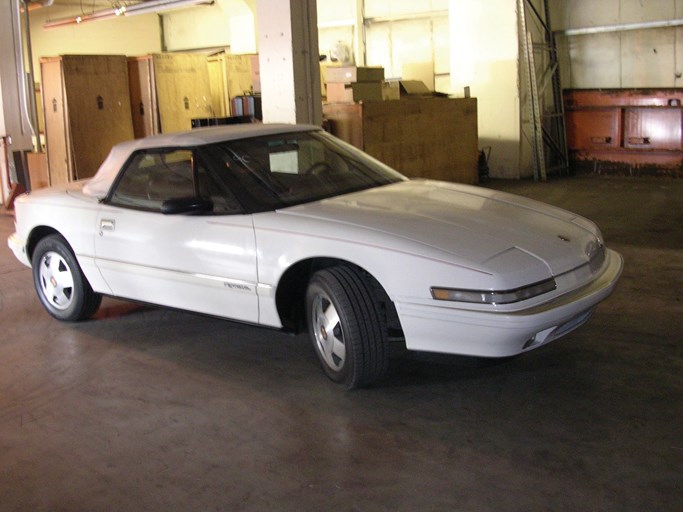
[{"x": 286, "y": 226}]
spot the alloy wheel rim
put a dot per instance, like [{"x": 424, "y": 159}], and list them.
[
  {"x": 56, "y": 280},
  {"x": 328, "y": 332}
]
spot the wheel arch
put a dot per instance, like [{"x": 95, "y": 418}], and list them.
[
  {"x": 36, "y": 235},
  {"x": 69, "y": 298},
  {"x": 290, "y": 294}
]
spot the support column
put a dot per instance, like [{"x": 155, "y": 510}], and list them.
[
  {"x": 15, "y": 122},
  {"x": 485, "y": 57},
  {"x": 288, "y": 58}
]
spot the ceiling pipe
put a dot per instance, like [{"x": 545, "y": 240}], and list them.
[
  {"x": 620, "y": 28},
  {"x": 151, "y": 6}
]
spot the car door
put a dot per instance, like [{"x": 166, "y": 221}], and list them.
[{"x": 169, "y": 234}]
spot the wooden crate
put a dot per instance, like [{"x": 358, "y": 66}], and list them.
[
  {"x": 37, "y": 170},
  {"x": 242, "y": 75},
  {"x": 143, "y": 96},
  {"x": 86, "y": 103},
  {"x": 218, "y": 83},
  {"x": 183, "y": 90},
  {"x": 433, "y": 138},
  {"x": 168, "y": 90}
]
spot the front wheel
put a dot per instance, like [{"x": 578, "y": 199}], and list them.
[
  {"x": 60, "y": 283},
  {"x": 347, "y": 330}
]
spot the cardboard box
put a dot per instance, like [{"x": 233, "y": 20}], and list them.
[
  {"x": 359, "y": 91},
  {"x": 338, "y": 93},
  {"x": 391, "y": 91},
  {"x": 351, "y": 74},
  {"x": 409, "y": 87},
  {"x": 362, "y": 91},
  {"x": 323, "y": 75},
  {"x": 422, "y": 71}
]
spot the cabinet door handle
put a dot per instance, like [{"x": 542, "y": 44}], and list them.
[{"x": 639, "y": 140}]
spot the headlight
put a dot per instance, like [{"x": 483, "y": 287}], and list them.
[{"x": 494, "y": 296}]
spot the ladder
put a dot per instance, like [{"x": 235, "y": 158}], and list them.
[{"x": 544, "y": 125}]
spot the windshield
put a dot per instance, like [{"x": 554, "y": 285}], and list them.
[{"x": 276, "y": 171}]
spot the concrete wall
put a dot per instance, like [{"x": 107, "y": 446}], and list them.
[
  {"x": 226, "y": 23},
  {"x": 484, "y": 56},
  {"x": 619, "y": 59},
  {"x": 134, "y": 35},
  {"x": 339, "y": 21}
]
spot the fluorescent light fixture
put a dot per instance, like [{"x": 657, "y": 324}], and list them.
[{"x": 151, "y": 6}]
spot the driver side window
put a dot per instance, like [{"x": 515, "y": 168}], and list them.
[{"x": 154, "y": 177}]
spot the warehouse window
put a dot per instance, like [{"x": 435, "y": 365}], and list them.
[{"x": 409, "y": 39}]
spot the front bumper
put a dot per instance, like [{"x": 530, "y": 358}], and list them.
[
  {"x": 436, "y": 328},
  {"x": 18, "y": 246}
]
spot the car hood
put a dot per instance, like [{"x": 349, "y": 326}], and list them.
[{"x": 488, "y": 230}]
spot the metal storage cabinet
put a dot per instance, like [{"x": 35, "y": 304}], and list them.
[
  {"x": 595, "y": 128},
  {"x": 655, "y": 128},
  {"x": 626, "y": 129},
  {"x": 87, "y": 110}
]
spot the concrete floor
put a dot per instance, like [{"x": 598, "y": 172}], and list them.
[{"x": 148, "y": 409}]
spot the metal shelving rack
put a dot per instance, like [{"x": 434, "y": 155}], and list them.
[{"x": 544, "y": 125}]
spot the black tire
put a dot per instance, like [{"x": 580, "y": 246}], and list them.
[
  {"x": 347, "y": 330},
  {"x": 60, "y": 283}
]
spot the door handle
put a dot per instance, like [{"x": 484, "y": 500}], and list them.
[{"x": 107, "y": 225}]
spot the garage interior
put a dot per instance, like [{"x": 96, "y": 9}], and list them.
[{"x": 144, "y": 408}]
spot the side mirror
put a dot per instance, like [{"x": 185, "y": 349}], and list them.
[{"x": 186, "y": 205}]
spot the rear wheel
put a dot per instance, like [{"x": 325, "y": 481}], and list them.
[
  {"x": 60, "y": 283},
  {"x": 347, "y": 330}
]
